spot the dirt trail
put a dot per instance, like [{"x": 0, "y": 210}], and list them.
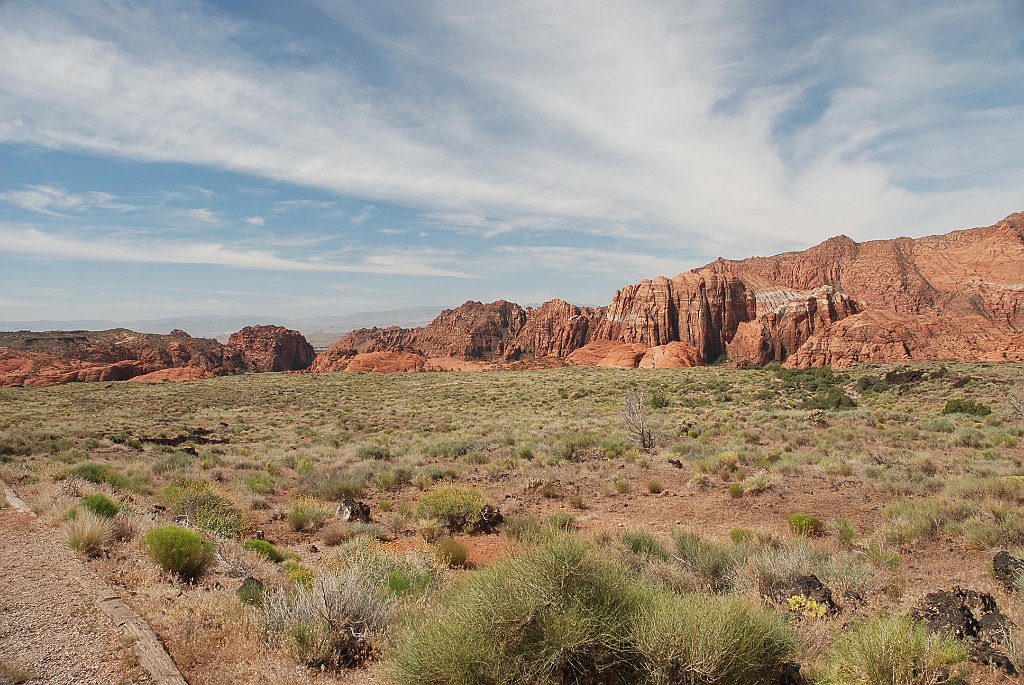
[{"x": 50, "y": 627}]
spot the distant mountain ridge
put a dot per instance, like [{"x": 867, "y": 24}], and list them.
[{"x": 320, "y": 331}]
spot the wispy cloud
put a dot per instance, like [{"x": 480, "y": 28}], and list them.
[
  {"x": 31, "y": 240},
  {"x": 735, "y": 126},
  {"x": 256, "y": 220},
  {"x": 364, "y": 215},
  {"x": 55, "y": 201},
  {"x": 202, "y": 214}
]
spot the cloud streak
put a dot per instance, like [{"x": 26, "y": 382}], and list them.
[
  {"x": 29, "y": 240},
  {"x": 657, "y": 121}
]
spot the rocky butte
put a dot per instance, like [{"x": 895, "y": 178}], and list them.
[
  {"x": 57, "y": 357},
  {"x": 953, "y": 296}
]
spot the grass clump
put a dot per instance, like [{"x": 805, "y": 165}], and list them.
[
  {"x": 308, "y": 513},
  {"x": 894, "y": 651},
  {"x": 264, "y": 548},
  {"x": 563, "y": 613},
  {"x": 451, "y": 552},
  {"x": 643, "y": 544},
  {"x": 457, "y": 508},
  {"x": 179, "y": 551},
  {"x": 806, "y": 525},
  {"x": 89, "y": 533},
  {"x": 712, "y": 564},
  {"x": 340, "y": 617},
  {"x": 101, "y": 474},
  {"x": 207, "y": 508},
  {"x": 969, "y": 407},
  {"x": 101, "y": 505}
]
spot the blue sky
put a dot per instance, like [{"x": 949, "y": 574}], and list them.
[{"x": 310, "y": 158}]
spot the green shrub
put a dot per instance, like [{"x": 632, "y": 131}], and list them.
[
  {"x": 969, "y": 407},
  {"x": 659, "y": 400},
  {"x": 564, "y": 613},
  {"x": 643, "y": 544},
  {"x": 806, "y": 525},
  {"x": 89, "y": 533},
  {"x": 264, "y": 548},
  {"x": 844, "y": 529},
  {"x": 378, "y": 452},
  {"x": 207, "y": 509},
  {"x": 894, "y": 651},
  {"x": 712, "y": 564},
  {"x": 308, "y": 513},
  {"x": 655, "y": 488},
  {"x": 101, "y": 505},
  {"x": 522, "y": 528},
  {"x": 99, "y": 474},
  {"x": 179, "y": 550},
  {"x": 260, "y": 484},
  {"x": 701, "y": 639},
  {"x": 451, "y": 551},
  {"x": 251, "y": 592},
  {"x": 562, "y": 521},
  {"x": 457, "y": 508},
  {"x": 831, "y": 399}
]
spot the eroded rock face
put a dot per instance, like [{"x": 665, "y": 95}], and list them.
[
  {"x": 674, "y": 355},
  {"x": 271, "y": 348},
  {"x": 608, "y": 353},
  {"x": 385, "y": 362},
  {"x": 954, "y": 296},
  {"x": 55, "y": 357}
]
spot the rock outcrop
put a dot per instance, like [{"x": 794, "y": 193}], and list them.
[
  {"x": 674, "y": 355},
  {"x": 56, "y": 357},
  {"x": 608, "y": 353},
  {"x": 954, "y": 296},
  {"x": 271, "y": 348}
]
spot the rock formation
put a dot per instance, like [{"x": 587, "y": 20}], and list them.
[
  {"x": 55, "y": 357},
  {"x": 271, "y": 348},
  {"x": 954, "y": 296}
]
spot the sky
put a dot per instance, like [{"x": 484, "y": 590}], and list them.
[{"x": 324, "y": 157}]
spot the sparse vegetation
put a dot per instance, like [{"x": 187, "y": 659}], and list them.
[
  {"x": 179, "y": 550},
  {"x": 101, "y": 505},
  {"x": 89, "y": 533}
]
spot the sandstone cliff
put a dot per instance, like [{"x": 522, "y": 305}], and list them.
[
  {"x": 842, "y": 300},
  {"x": 55, "y": 357}
]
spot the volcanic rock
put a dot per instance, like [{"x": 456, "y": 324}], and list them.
[
  {"x": 1007, "y": 569},
  {"x": 271, "y": 348}
]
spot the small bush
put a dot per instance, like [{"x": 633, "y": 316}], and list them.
[
  {"x": 207, "y": 509},
  {"x": 621, "y": 485},
  {"x": 712, "y": 564},
  {"x": 260, "y": 484},
  {"x": 264, "y": 548},
  {"x": 644, "y": 544},
  {"x": 335, "y": 534},
  {"x": 735, "y": 490},
  {"x": 179, "y": 550},
  {"x": 451, "y": 552},
  {"x": 457, "y": 508},
  {"x": 89, "y": 533},
  {"x": 889, "y": 650},
  {"x": 562, "y": 521},
  {"x": 565, "y": 613},
  {"x": 655, "y": 488},
  {"x": 969, "y": 407},
  {"x": 522, "y": 528},
  {"x": 308, "y": 513},
  {"x": 101, "y": 505},
  {"x": 844, "y": 529},
  {"x": 832, "y": 399},
  {"x": 251, "y": 592},
  {"x": 806, "y": 525},
  {"x": 99, "y": 474}
]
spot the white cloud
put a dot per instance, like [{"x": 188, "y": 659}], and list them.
[
  {"x": 202, "y": 214},
  {"x": 55, "y": 201},
  {"x": 33, "y": 241},
  {"x": 364, "y": 215},
  {"x": 256, "y": 220},
  {"x": 656, "y": 121}
]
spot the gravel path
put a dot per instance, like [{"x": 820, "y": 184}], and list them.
[{"x": 49, "y": 626}]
